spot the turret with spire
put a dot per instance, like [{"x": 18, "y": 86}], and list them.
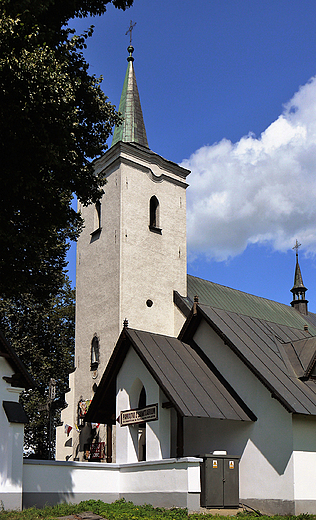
[
  {"x": 298, "y": 290},
  {"x": 132, "y": 129}
]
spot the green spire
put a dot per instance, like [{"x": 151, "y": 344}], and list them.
[
  {"x": 298, "y": 279},
  {"x": 132, "y": 130}
]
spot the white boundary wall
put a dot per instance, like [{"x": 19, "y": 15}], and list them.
[
  {"x": 304, "y": 478},
  {"x": 11, "y": 445},
  {"x": 164, "y": 483}
]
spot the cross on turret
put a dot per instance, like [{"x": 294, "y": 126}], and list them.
[
  {"x": 296, "y": 247},
  {"x": 298, "y": 290}
]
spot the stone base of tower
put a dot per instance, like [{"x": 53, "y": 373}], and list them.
[{"x": 86, "y": 442}]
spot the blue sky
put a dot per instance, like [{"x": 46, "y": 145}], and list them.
[{"x": 226, "y": 90}]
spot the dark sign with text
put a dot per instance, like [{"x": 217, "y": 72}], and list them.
[{"x": 139, "y": 415}]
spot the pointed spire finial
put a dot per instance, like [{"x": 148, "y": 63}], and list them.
[
  {"x": 130, "y": 49},
  {"x": 130, "y": 30},
  {"x": 296, "y": 247},
  {"x": 132, "y": 130},
  {"x": 298, "y": 290},
  {"x": 298, "y": 280}
]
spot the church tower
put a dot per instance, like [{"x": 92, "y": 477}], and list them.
[{"x": 131, "y": 254}]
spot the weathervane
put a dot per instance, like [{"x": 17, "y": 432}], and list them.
[
  {"x": 296, "y": 247},
  {"x": 130, "y": 30}
]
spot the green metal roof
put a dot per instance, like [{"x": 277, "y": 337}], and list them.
[
  {"x": 228, "y": 299},
  {"x": 133, "y": 128}
]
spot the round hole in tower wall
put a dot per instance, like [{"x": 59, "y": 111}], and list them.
[{"x": 149, "y": 303}]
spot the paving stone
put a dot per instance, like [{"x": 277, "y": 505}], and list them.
[
  {"x": 221, "y": 512},
  {"x": 88, "y": 515}
]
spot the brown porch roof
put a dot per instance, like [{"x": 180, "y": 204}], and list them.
[{"x": 188, "y": 383}]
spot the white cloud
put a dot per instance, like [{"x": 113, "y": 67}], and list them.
[{"x": 257, "y": 190}]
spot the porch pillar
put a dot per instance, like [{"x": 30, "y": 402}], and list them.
[
  {"x": 180, "y": 440},
  {"x": 109, "y": 443}
]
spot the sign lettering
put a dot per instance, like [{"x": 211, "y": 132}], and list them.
[{"x": 149, "y": 413}]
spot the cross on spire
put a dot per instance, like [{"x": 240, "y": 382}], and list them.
[
  {"x": 296, "y": 247},
  {"x": 130, "y": 30}
]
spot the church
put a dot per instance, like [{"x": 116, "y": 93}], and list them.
[{"x": 170, "y": 366}]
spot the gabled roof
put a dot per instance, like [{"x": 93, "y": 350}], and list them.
[
  {"x": 302, "y": 355},
  {"x": 21, "y": 378},
  {"x": 263, "y": 346},
  {"x": 188, "y": 383},
  {"x": 228, "y": 299},
  {"x": 132, "y": 130}
]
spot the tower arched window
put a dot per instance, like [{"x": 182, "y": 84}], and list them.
[
  {"x": 97, "y": 219},
  {"x": 97, "y": 223},
  {"x": 95, "y": 353},
  {"x": 154, "y": 224}
]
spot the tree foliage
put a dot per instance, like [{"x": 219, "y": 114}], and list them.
[
  {"x": 42, "y": 334},
  {"x": 54, "y": 120}
]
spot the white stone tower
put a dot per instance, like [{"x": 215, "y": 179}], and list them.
[{"x": 131, "y": 255}]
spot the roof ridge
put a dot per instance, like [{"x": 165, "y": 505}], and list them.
[
  {"x": 152, "y": 333},
  {"x": 226, "y": 298},
  {"x": 239, "y": 290}
]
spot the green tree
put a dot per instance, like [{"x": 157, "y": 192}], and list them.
[
  {"x": 54, "y": 119},
  {"x": 42, "y": 334}
]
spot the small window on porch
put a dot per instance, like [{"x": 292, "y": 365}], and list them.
[{"x": 142, "y": 398}]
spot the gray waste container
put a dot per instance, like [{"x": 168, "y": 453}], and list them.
[{"x": 219, "y": 481}]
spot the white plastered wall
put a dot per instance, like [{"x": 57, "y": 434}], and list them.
[
  {"x": 153, "y": 264},
  {"x": 265, "y": 446},
  {"x": 165, "y": 483},
  {"x": 304, "y": 463},
  {"x": 131, "y": 377},
  {"x": 11, "y": 445},
  {"x": 126, "y": 264},
  {"x": 97, "y": 308},
  {"x": 97, "y": 288}
]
